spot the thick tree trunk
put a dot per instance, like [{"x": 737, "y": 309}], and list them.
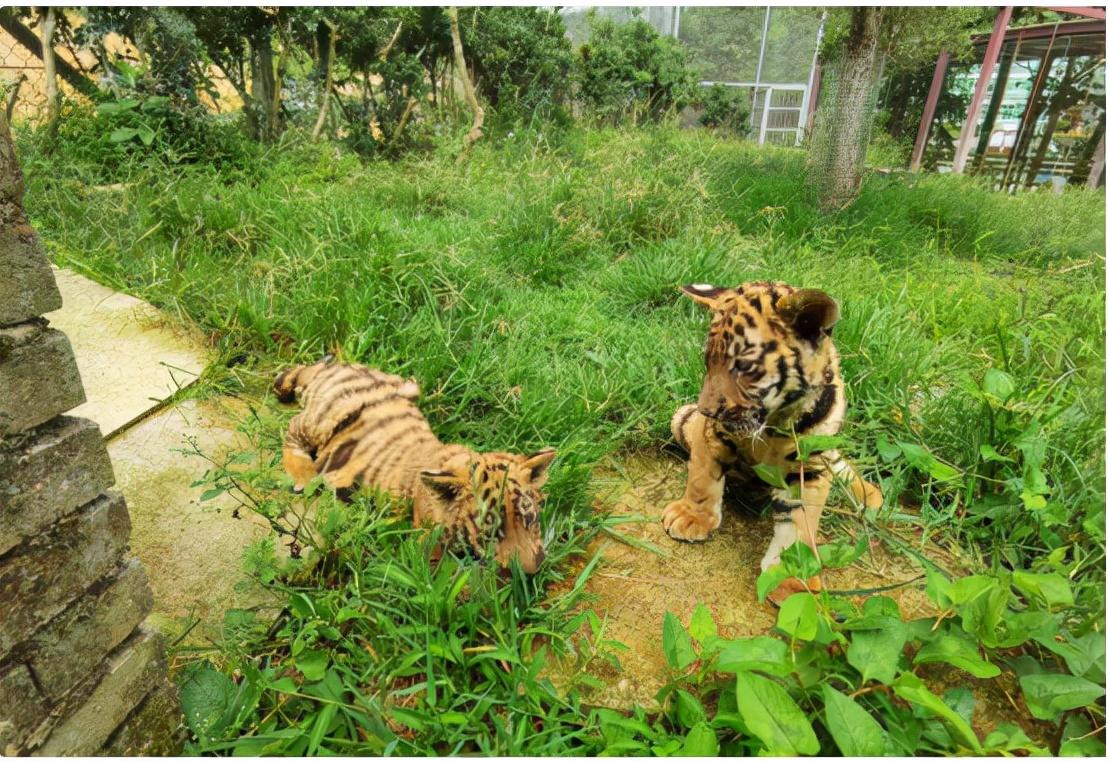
[
  {"x": 50, "y": 69},
  {"x": 474, "y": 133},
  {"x": 838, "y": 158}
]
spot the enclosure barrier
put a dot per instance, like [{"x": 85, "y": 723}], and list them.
[{"x": 79, "y": 673}]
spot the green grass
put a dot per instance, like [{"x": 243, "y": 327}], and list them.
[{"x": 532, "y": 292}]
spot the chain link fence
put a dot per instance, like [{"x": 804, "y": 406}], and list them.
[{"x": 769, "y": 53}]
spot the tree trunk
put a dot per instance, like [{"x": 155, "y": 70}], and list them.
[
  {"x": 838, "y": 158},
  {"x": 327, "y": 60},
  {"x": 474, "y": 133},
  {"x": 50, "y": 69},
  {"x": 262, "y": 88}
]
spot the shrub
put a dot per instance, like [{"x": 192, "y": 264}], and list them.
[
  {"x": 629, "y": 71},
  {"x": 521, "y": 59},
  {"x": 726, "y": 109}
]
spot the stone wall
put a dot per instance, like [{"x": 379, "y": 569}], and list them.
[{"x": 79, "y": 673}]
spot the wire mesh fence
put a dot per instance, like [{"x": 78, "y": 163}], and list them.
[{"x": 768, "y": 53}]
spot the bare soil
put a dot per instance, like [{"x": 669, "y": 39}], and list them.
[{"x": 634, "y": 586}]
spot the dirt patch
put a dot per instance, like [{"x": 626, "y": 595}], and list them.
[{"x": 635, "y": 585}]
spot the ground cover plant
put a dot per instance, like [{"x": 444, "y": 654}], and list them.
[{"x": 532, "y": 292}]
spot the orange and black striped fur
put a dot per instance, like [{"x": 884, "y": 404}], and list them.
[
  {"x": 359, "y": 427},
  {"x": 772, "y": 377}
]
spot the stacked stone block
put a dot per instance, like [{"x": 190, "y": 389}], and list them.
[{"x": 79, "y": 672}]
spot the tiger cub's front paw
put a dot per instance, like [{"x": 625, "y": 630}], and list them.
[{"x": 687, "y": 521}]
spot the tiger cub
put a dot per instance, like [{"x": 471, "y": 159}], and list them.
[
  {"x": 359, "y": 427},
  {"x": 772, "y": 377}
]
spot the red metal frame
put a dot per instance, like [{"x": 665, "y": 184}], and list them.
[
  {"x": 992, "y": 53},
  {"x": 929, "y": 110}
]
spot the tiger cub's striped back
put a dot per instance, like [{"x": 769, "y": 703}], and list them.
[{"x": 360, "y": 427}]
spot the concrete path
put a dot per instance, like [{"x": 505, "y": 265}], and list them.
[
  {"x": 128, "y": 355},
  {"x": 131, "y": 360}
]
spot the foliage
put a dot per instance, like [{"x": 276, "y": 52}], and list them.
[
  {"x": 836, "y": 678},
  {"x": 521, "y": 59},
  {"x": 630, "y": 71},
  {"x": 381, "y": 647},
  {"x": 726, "y": 109},
  {"x": 532, "y": 292}
]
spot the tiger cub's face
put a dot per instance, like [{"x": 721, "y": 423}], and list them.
[
  {"x": 495, "y": 498},
  {"x": 767, "y": 351}
]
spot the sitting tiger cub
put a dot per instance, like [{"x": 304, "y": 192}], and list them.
[
  {"x": 772, "y": 377},
  {"x": 359, "y": 427}
]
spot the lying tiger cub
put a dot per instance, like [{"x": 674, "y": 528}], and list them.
[
  {"x": 772, "y": 377},
  {"x": 359, "y": 427}
]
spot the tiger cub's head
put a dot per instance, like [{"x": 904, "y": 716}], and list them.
[
  {"x": 494, "y": 499},
  {"x": 768, "y": 352}
]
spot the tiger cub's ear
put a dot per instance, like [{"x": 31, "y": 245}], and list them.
[
  {"x": 703, "y": 293},
  {"x": 447, "y": 484},
  {"x": 538, "y": 464},
  {"x": 810, "y": 312}
]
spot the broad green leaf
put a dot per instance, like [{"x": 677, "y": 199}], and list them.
[
  {"x": 1052, "y": 589},
  {"x": 122, "y": 134},
  {"x": 876, "y": 653},
  {"x": 211, "y": 493},
  {"x": 312, "y": 664},
  {"x": 816, "y": 443},
  {"x": 1079, "y": 740},
  {"x": 770, "y": 579},
  {"x": 938, "y": 588},
  {"x": 690, "y": 712},
  {"x": 700, "y": 742},
  {"x": 701, "y": 624},
  {"x": 1049, "y": 694},
  {"x": 1011, "y": 738},
  {"x": 998, "y": 384},
  {"x": 982, "y": 602},
  {"x": 1084, "y": 656},
  {"x": 145, "y": 134},
  {"x": 887, "y": 450},
  {"x": 772, "y": 475},
  {"x": 911, "y": 689},
  {"x": 206, "y": 695},
  {"x": 800, "y": 560},
  {"x": 920, "y": 457},
  {"x": 773, "y": 717},
  {"x": 957, "y": 651},
  {"x": 798, "y": 617},
  {"x": 856, "y": 733},
  {"x": 762, "y": 653},
  {"x": 676, "y": 645},
  {"x": 990, "y": 454}
]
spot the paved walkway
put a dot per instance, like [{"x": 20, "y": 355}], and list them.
[{"x": 132, "y": 360}]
